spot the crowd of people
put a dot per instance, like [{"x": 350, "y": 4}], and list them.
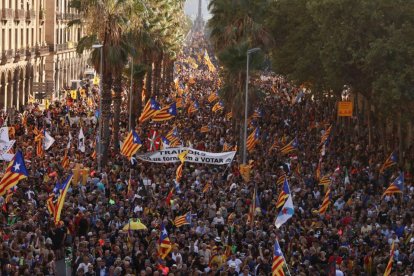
[{"x": 353, "y": 237}]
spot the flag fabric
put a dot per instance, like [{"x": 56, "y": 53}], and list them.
[
  {"x": 16, "y": 171},
  {"x": 278, "y": 261},
  {"x": 61, "y": 198},
  {"x": 318, "y": 171},
  {"x": 50, "y": 204},
  {"x": 172, "y": 135},
  {"x": 39, "y": 136},
  {"x": 179, "y": 172},
  {"x": 325, "y": 203},
  {"x": 182, "y": 220},
  {"x": 391, "y": 161},
  {"x": 253, "y": 139},
  {"x": 153, "y": 140},
  {"x": 229, "y": 115},
  {"x": 166, "y": 113},
  {"x": 81, "y": 141},
  {"x": 397, "y": 186},
  {"x": 9, "y": 194},
  {"x": 252, "y": 209},
  {"x": 325, "y": 136},
  {"x": 281, "y": 179},
  {"x": 182, "y": 156},
  {"x": 291, "y": 146},
  {"x": 245, "y": 171},
  {"x": 205, "y": 129},
  {"x": 164, "y": 243},
  {"x": 218, "y": 106},
  {"x": 131, "y": 144},
  {"x": 213, "y": 97},
  {"x": 193, "y": 107},
  {"x": 226, "y": 147},
  {"x": 206, "y": 187},
  {"x": 390, "y": 261},
  {"x": 325, "y": 181},
  {"x": 284, "y": 194},
  {"x": 150, "y": 109},
  {"x": 208, "y": 62},
  {"x": 286, "y": 213},
  {"x": 65, "y": 160},
  {"x": 258, "y": 113},
  {"x": 169, "y": 197},
  {"x": 47, "y": 141},
  {"x": 165, "y": 142}
]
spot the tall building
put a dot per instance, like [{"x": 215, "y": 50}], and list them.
[{"x": 37, "y": 50}]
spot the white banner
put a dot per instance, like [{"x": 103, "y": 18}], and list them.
[{"x": 170, "y": 155}]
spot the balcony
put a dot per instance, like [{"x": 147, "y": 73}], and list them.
[
  {"x": 30, "y": 15},
  {"x": 19, "y": 54},
  {"x": 7, "y": 56},
  {"x": 63, "y": 47},
  {"x": 59, "y": 16},
  {"x": 6, "y": 14},
  {"x": 30, "y": 52},
  {"x": 42, "y": 50},
  {"x": 19, "y": 15}
]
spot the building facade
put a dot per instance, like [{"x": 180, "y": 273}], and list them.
[{"x": 38, "y": 50}]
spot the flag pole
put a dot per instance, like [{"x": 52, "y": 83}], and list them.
[{"x": 287, "y": 268}]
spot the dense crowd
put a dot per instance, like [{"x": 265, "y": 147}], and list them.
[{"x": 352, "y": 238}]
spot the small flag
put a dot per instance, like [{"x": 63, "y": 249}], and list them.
[
  {"x": 286, "y": 213},
  {"x": 182, "y": 156},
  {"x": 207, "y": 187},
  {"x": 182, "y": 220},
  {"x": 61, "y": 198},
  {"x": 153, "y": 140},
  {"x": 281, "y": 179},
  {"x": 218, "y": 106},
  {"x": 397, "y": 186},
  {"x": 325, "y": 136},
  {"x": 193, "y": 107},
  {"x": 165, "y": 142},
  {"x": 291, "y": 146},
  {"x": 16, "y": 171},
  {"x": 253, "y": 139},
  {"x": 226, "y": 147},
  {"x": 131, "y": 144},
  {"x": 179, "y": 172},
  {"x": 326, "y": 201},
  {"x": 229, "y": 115},
  {"x": 164, "y": 243},
  {"x": 39, "y": 136},
  {"x": 391, "y": 161},
  {"x": 165, "y": 113},
  {"x": 284, "y": 194},
  {"x": 169, "y": 197},
  {"x": 278, "y": 261},
  {"x": 47, "y": 141},
  {"x": 65, "y": 160},
  {"x": 388, "y": 269},
  {"x": 325, "y": 181},
  {"x": 213, "y": 97},
  {"x": 245, "y": 171},
  {"x": 81, "y": 141},
  {"x": 252, "y": 209},
  {"x": 150, "y": 109}
]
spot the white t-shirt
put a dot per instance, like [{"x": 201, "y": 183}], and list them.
[{"x": 237, "y": 262}]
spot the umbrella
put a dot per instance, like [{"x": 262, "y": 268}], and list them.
[{"x": 134, "y": 225}]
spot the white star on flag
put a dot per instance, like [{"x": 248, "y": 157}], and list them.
[{"x": 16, "y": 167}]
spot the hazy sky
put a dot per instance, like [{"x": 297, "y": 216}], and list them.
[{"x": 191, "y": 8}]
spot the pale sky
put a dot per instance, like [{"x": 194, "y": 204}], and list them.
[{"x": 191, "y": 8}]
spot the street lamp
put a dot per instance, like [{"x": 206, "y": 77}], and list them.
[
  {"x": 100, "y": 47},
  {"x": 250, "y": 51}
]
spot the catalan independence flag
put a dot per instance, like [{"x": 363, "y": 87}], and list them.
[
  {"x": 396, "y": 187},
  {"x": 284, "y": 194},
  {"x": 326, "y": 201},
  {"x": 182, "y": 220},
  {"x": 164, "y": 243},
  {"x": 253, "y": 139},
  {"x": 278, "y": 261},
  {"x": 388, "y": 269},
  {"x": 193, "y": 107},
  {"x": 281, "y": 179},
  {"x": 131, "y": 144},
  {"x": 150, "y": 109},
  {"x": 166, "y": 113},
  {"x": 258, "y": 113},
  {"x": 229, "y": 115},
  {"x": 213, "y": 97},
  {"x": 16, "y": 171},
  {"x": 61, "y": 198},
  {"x": 391, "y": 161},
  {"x": 325, "y": 136},
  {"x": 325, "y": 181},
  {"x": 51, "y": 207},
  {"x": 218, "y": 106},
  {"x": 291, "y": 146}
]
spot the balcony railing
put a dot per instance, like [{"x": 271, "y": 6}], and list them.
[
  {"x": 42, "y": 50},
  {"x": 30, "y": 51},
  {"x": 6, "y": 14},
  {"x": 30, "y": 15},
  {"x": 7, "y": 56},
  {"x": 19, "y": 15},
  {"x": 42, "y": 15},
  {"x": 19, "y": 54}
]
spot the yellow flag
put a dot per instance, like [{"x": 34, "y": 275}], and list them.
[
  {"x": 96, "y": 80},
  {"x": 47, "y": 104},
  {"x": 245, "y": 172},
  {"x": 74, "y": 94},
  {"x": 182, "y": 156}
]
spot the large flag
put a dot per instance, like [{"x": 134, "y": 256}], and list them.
[
  {"x": 81, "y": 141},
  {"x": 166, "y": 113},
  {"x": 218, "y": 106},
  {"x": 193, "y": 107},
  {"x": 131, "y": 144},
  {"x": 182, "y": 220},
  {"x": 391, "y": 161},
  {"x": 291, "y": 146},
  {"x": 278, "y": 261},
  {"x": 284, "y": 194},
  {"x": 213, "y": 96},
  {"x": 286, "y": 213},
  {"x": 397, "y": 186},
  {"x": 16, "y": 171},
  {"x": 253, "y": 139},
  {"x": 150, "y": 109},
  {"x": 326, "y": 201},
  {"x": 48, "y": 141},
  {"x": 164, "y": 243},
  {"x": 390, "y": 261},
  {"x": 61, "y": 198}
]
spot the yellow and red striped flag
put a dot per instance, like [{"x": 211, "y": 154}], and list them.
[
  {"x": 131, "y": 144},
  {"x": 218, "y": 106},
  {"x": 65, "y": 160},
  {"x": 291, "y": 146},
  {"x": 39, "y": 136},
  {"x": 182, "y": 220},
  {"x": 388, "y": 269},
  {"x": 229, "y": 115},
  {"x": 150, "y": 109},
  {"x": 213, "y": 96},
  {"x": 16, "y": 171},
  {"x": 61, "y": 199},
  {"x": 206, "y": 187},
  {"x": 325, "y": 203},
  {"x": 253, "y": 139}
]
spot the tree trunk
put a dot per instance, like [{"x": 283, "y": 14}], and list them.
[
  {"x": 400, "y": 139},
  {"x": 157, "y": 75},
  {"x": 117, "y": 109},
  {"x": 106, "y": 115},
  {"x": 137, "y": 99}
]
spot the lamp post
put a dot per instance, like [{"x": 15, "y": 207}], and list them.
[
  {"x": 130, "y": 95},
  {"x": 250, "y": 51},
  {"x": 100, "y": 47}
]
